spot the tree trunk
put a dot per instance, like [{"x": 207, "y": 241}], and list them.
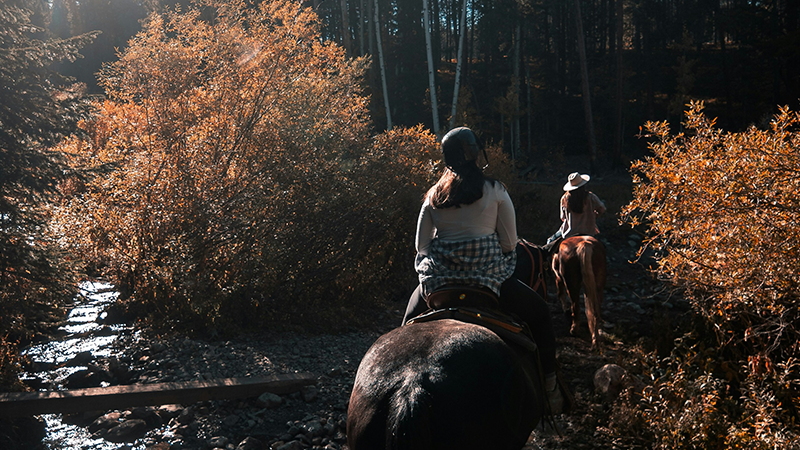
[
  {"x": 371, "y": 27},
  {"x": 616, "y": 159},
  {"x": 515, "y": 137},
  {"x": 431, "y": 68},
  {"x": 529, "y": 108},
  {"x": 457, "y": 84},
  {"x": 346, "y": 42},
  {"x": 383, "y": 69},
  {"x": 587, "y": 101},
  {"x": 361, "y": 28}
]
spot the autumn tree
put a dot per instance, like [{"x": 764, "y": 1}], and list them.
[
  {"x": 723, "y": 210},
  {"x": 37, "y": 106},
  {"x": 234, "y": 178}
]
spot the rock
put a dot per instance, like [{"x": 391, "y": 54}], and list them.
[
  {"x": 104, "y": 374},
  {"x": 612, "y": 379},
  {"x": 81, "y": 419},
  {"x": 35, "y": 383},
  {"x": 105, "y": 422},
  {"x": 313, "y": 429},
  {"x": 157, "y": 347},
  {"x": 83, "y": 379},
  {"x": 159, "y": 446},
  {"x": 81, "y": 359},
  {"x": 168, "y": 412},
  {"x": 127, "y": 431},
  {"x": 250, "y": 443},
  {"x": 634, "y": 307},
  {"x": 186, "y": 416},
  {"x": 269, "y": 400},
  {"x": 38, "y": 366},
  {"x": 230, "y": 420},
  {"x": 187, "y": 431},
  {"x": 309, "y": 393},
  {"x": 149, "y": 415},
  {"x": 218, "y": 442},
  {"x": 291, "y": 445}
]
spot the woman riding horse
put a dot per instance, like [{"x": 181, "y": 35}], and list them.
[
  {"x": 578, "y": 258},
  {"x": 578, "y": 210},
  {"x": 466, "y": 235}
]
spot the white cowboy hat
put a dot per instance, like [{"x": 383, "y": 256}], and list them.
[{"x": 576, "y": 180}]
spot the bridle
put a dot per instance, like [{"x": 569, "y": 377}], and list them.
[{"x": 535, "y": 280}]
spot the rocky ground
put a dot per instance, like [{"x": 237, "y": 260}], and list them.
[{"x": 635, "y": 309}]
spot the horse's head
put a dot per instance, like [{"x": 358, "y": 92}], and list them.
[{"x": 533, "y": 262}]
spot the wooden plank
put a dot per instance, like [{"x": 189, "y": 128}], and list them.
[{"x": 119, "y": 397}]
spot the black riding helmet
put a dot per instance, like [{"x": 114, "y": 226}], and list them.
[{"x": 459, "y": 147}]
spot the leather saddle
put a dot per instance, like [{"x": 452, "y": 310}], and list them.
[{"x": 454, "y": 296}]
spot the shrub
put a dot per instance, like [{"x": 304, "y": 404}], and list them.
[
  {"x": 722, "y": 211},
  {"x": 234, "y": 180}
]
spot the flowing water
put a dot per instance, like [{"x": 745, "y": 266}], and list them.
[{"x": 82, "y": 333}]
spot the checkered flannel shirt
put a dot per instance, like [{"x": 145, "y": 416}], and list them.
[{"x": 475, "y": 262}]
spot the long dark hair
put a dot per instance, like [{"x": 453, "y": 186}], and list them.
[
  {"x": 576, "y": 198},
  {"x": 456, "y": 188}
]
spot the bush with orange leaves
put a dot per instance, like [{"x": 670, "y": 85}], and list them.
[
  {"x": 723, "y": 213},
  {"x": 231, "y": 178}
]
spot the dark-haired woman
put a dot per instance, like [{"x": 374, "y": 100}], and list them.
[
  {"x": 467, "y": 235},
  {"x": 578, "y": 209}
]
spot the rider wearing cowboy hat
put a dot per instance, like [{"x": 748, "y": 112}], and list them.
[{"x": 578, "y": 210}]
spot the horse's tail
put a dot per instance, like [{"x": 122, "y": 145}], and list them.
[
  {"x": 410, "y": 408},
  {"x": 585, "y": 253}
]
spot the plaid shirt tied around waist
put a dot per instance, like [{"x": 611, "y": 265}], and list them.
[{"x": 475, "y": 262}]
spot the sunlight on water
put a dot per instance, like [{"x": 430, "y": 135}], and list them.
[
  {"x": 61, "y": 436},
  {"x": 82, "y": 333}
]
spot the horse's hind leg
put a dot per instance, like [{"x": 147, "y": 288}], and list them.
[
  {"x": 599, "y": 272},
  {"x": 594, "y": 279},
  {"x": 561, "y": 289},
  {"x": 573, "y": 285}
]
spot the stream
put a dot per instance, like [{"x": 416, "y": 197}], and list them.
[{"x": 81, "y": 339}]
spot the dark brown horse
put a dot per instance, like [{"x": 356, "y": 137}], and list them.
[
  {"x": 532, "y": 265},
  {"x": 580, "y": 261},
  {"x": 443, "y": 385}
]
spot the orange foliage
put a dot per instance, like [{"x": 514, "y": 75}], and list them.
[
  {"x": 723, "y": 210},
  {"x": 233, "y": 174}
]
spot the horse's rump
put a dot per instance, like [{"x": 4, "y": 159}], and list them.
[
  {"x": 580, "y": 262},
  {"x": 443, "y": 385}
]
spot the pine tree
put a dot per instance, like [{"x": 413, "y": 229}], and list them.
[{"x": 37, "y": 106}]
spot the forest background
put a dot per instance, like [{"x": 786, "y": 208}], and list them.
[
  {"x": 526, "y": 79},
  {"x": 261, "y": 164}
]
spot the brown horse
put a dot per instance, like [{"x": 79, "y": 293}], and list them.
[
  {"x": 532, "y": 265},
  {"x": 581, "y": 261},
  {"x": 443, "y": 385}
]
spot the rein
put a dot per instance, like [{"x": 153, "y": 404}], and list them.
[{"x": 540, "y": 281}]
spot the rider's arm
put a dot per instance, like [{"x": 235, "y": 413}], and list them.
[
  {"x": 425, "y": 229},
  {"x": 506, "y": 221},
  {"x": 597, "y": 205},
  {"x": 562, "y": 206}
]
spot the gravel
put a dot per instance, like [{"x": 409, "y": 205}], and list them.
[{"x": 313, "y": 417}]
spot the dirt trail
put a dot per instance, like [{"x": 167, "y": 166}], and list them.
[{"x": 636, "y": 311}]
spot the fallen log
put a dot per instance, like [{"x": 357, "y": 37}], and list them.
[{"x": 16, "y": 404}]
